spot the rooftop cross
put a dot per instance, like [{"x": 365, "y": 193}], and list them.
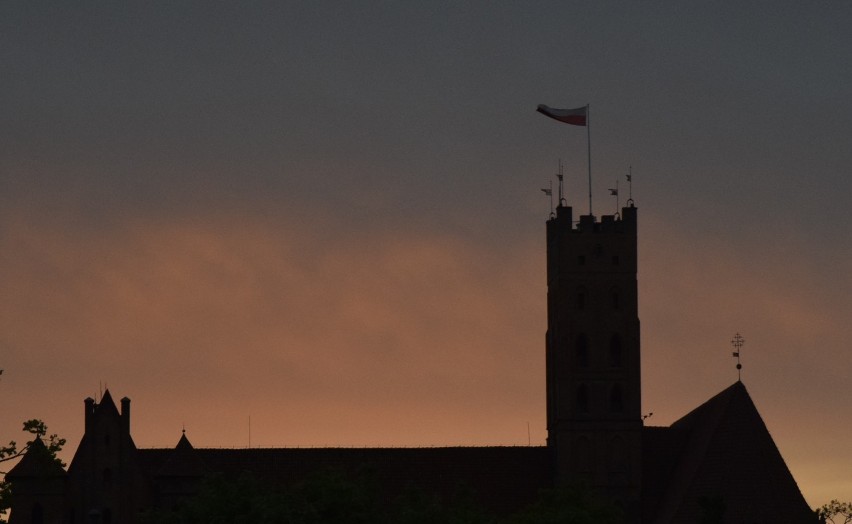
[{"x": 738, "y": 342}]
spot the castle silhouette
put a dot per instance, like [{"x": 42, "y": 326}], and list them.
[{"x": 596, "y": 434}]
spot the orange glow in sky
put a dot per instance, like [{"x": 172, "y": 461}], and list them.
[{"x": 327, "y": 218}]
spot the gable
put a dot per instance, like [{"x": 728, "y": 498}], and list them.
[
  {"x": 730, "y": 460},
  {"x": 37, "y": 462}
]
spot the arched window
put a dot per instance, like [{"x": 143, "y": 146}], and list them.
[
  {"x": 107, "y": 478},
  {"x": 581, "y": 350},
  {"x": 616, "y": 399},
  {"x": 583, "y": 399},
  {"x": 614, "y": 297},
  {"x": 616, "y": 353},
  {"x": 581, "y": 298}
]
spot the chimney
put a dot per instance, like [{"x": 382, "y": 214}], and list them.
[
  {"x": 89, "y": 404},
  {"x": 125, "y": 414}
]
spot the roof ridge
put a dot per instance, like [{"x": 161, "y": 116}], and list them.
[{"x": 724, "y": 395}]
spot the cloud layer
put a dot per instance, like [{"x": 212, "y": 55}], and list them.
[{"x": 319, "y": 335}]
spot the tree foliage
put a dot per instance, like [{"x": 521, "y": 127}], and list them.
[
  {"x": 38, "y": 430},
  {"x": 712, "y": 510},
  {"x": 332, "y": 496},
  {"x": 568, "y": 505},
  {"x": 834, "y": 511},
  {"x": 326, "y": 497}
]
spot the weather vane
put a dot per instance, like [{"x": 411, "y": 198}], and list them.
[
  {"x": 549, "y": 192},
  {"x": 738, "y": 342},
  {"x": 630, "y": 186},
  {"x": 614, "y": 192}
]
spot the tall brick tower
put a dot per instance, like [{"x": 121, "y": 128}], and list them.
[{"x": 594, "y": 418}]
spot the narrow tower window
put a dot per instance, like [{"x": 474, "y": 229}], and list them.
[
  {"x": 582, "y": 350},
  {"x": 583, "y": 399},
  {"x": 616, "y": 399},
  {"x": 581, "y": 298},
  {"x": 616, "y": 354}
]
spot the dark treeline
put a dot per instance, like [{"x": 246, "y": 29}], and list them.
[{"x": 331, "y": 497}]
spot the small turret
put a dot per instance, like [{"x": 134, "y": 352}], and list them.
[{"x": 39, "y": 486}]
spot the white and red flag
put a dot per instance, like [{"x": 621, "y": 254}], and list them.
[{"x": 575, "y": 117}]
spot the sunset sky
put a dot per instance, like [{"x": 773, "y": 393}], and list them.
[{"x": 326, "y": 217}]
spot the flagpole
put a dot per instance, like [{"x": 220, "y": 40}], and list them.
[{"x": 589, "y": 151}]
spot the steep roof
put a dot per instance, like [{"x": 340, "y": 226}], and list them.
[
  {"x": 182, "y": 461},
  {"x": 37, "y": 462},
  {"x": 729, "y": 458},
  {"x": 107, "y": 405}
]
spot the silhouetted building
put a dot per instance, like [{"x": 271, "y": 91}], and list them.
[{"x": 720, "y": 453}]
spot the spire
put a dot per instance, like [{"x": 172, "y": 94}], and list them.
[
  {"x": 183, "y": 461},
  {"x": 184, "y": 443},
  {"x": 106, "y": 404}
]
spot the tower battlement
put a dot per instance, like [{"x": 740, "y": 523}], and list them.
[
  {"x": 623, "y": 223},
  {"x": 607, "y": 246}
]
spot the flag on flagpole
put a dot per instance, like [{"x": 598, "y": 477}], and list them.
[{"x": 575, "y": 117}]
